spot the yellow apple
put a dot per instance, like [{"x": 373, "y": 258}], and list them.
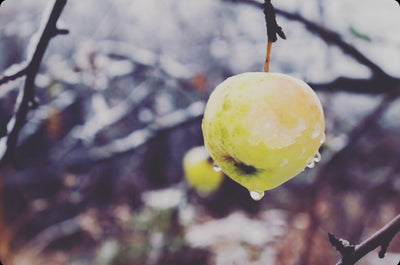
[
  {"x": 262, "y": 129},
  {"x": 199, "y": 171}
]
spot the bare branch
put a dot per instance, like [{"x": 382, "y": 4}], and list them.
[
  {"x": 382, "y": 238},
  {"x": 327, "y": 35},
  {"x": 341, "y": 245},
  {"x": 12, "y": 77},
  {"x": 332, "y": 37},
  {"x": 359, "y": 85},
  {"x": 26, "y": 98}
]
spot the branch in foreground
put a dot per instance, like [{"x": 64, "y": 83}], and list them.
[
  {"x": 351, "y": 254},
  {"x": 26, "y": 98}
]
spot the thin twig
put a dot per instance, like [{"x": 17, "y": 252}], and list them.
[
  {"x": 12, "y": 77},
  {"x": 27, "y": 94},
  {"x": 373, "y": 85}
]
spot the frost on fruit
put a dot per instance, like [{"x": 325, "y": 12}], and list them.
[{"x": 263, "y": 128}]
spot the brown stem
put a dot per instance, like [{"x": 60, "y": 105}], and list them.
[
  {"x": 273, "y": 29},
  {"x": 268, "y": 57}
]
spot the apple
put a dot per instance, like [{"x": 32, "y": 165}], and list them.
[
  {"x": 262, "y": 129},
  {"x": 199, "y": 171}
]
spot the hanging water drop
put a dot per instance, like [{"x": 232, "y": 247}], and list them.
[
  {"x": 317, "y": 157},
  {"x": 311, "y": 163},
  {"x": 216, "y": 168},
  {"x": 255, "y": 195}
]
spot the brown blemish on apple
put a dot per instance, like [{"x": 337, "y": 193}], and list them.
[
  {"x": 242, "y": 167},
  {"x": 247, "y": 169}
]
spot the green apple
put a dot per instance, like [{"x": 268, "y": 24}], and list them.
[
  {"x": 262, "y": 129},
  {"x": 199, "y": 171}
]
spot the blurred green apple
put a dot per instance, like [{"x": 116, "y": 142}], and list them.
[
  {"x": 199, "y": 171},
  {"x": 262, "y": 129}
]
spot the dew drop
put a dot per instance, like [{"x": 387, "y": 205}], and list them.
[
  {"x": 255, "y": 195},
  {"x": 311, "y": 163},
  {"x": 312, "y": 160},
  {"x": 317, "y": 157},
  {"x": 216, "y": 168}
]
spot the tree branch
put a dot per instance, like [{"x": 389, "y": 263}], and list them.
[
  {"x": 374, "y": 85},
  {"x": 12, "y": 77},
  {"x": 26, "y": 98},
  {"x": 332, "y": 37},
  {"x": 327, "y": 35},
  {"x": 351, "y": 254}
]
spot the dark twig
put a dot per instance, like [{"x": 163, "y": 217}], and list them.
[
  {"x": 273, "y": 28},
  {"x": 373, "y": 85},
  {"x": 382, "y": 238},
  {"x": 18, "y": 74},
  {"x": 341, "y": 245},
  {"x": 27, "y": 94}
]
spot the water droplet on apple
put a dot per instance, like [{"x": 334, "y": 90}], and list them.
[
  {"x": 311, "y": 162},
  {"x": 317, "y": 157},
  {"x": 216, "y": 168},
  {"x": 255, "y": 195}
]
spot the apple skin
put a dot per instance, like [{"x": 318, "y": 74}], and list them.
[
  {"x": 262, "y": 129},
  {"x": 199, "y": 171}
]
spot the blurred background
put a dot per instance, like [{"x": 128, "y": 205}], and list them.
[{"x": 98, "y": 175}]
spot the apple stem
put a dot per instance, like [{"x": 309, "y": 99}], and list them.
[
  {"x": 273, "y": 29},
  {"x": 268, "y": 57}
]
